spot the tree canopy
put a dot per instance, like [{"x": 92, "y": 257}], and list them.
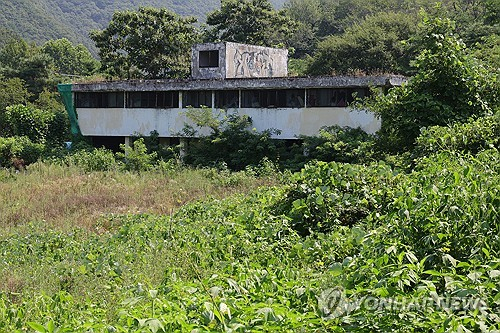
[
  {"x": 70, "y": 59},
  {"x": 251, "y": 22},
  {"x": 146, "y": 43},
  {"x": 449, "y": 86},
  {"x": 375, "y": 45},
  {"x": 18, "y": 59}
]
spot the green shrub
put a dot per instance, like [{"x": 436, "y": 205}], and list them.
[
  {"x": 19, "y": 147},
  {"x": 230, "y": 141},
  {"x": 99, "y": 159},
  {"x": 420, "y": 243},
  {"x": 323, "y": 196},
  {"x": 136, "y": 157},
  {"x": 471, "y": 137},
  {"x": 449, "y": 86},
  {"x": 448, "y": 205},
  {"x": 340, "y": 144},
  {"x": 28, "y": 121},
  {"x": 153, "y": 145}
]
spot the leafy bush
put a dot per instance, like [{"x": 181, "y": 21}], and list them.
[
  {"x": 28, "y": 121},
  {"x": 230, "y": 141},
  {"x": 340, "y": 144},
  {"x": 373, "y": 45},
  {"x": 450, "y": 86},
  {"x": 448, "y": 206},
  {"x": 415, "y": 250},
  {"x": 440, "y": 207},
  {"x": 324, "y": 196},
  {"x": 21, "y": 148},
  {"x": 471, "y": 137},
  {"x": 153, "y": 145},
  {"x": 59, "y": 127},
  {"x": 136, "y": 157},
  {"x": 99, "y": 159},
  {"x": 12, "y": 92}
]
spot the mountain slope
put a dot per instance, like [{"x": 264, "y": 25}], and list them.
[{"x": 42, "y": 20}]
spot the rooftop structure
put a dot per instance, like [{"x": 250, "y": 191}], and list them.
[{"x": 232, "y": 60}]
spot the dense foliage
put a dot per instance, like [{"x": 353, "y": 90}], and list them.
[
  {"x": 249, "y": 22},
  {"x": 70, "y": 59},
  {"x": 147, "y": 43},
  {"x": 470, "y": 137},
  {"x": 348, "y": 244},
  {"x": 449, "y": 86},
  {"x": 367, "y": 36},
  {"x": 416, "y": 250},
  {"x": 226, "y": 140},
  {"x": 374, "y": 45}
]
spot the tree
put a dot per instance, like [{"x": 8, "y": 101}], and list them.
[
  {"x": 307, "y": 14},
  {"x": 449, "y": 86},
  {"x": 147, "y": 43},
  {"x": 12, "y": 91},
  {"x": 70, "y": 59},
  {"x": 22, "y": 120},
  {"x": 7, "y": 35},
  {"x": 334, "y": 17},
  {"x": 136, "y": 157},
  {"x": 250, "y": 22},
  {"x": 375, "y": 45},
  {"x": 475, "y": 19},
  {"x": 18, "y": 59},
  {"x": 59, "y": 127}
]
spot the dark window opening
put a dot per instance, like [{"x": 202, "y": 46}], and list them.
[
  {"x": 283, "y": 98},
  {"x": 141, "y": 99},
  {"x": 153, "y": 99},
  {"x": 334, "y": 97},
  {"x": 99, "y": 99},
  {"x": 197, "y": 99},
  {"x": 209, "y": 58},
  {"x": 167, "y": 99},
  {"x": 110, "y": 142},
  {"x": 226, "y": 99}
]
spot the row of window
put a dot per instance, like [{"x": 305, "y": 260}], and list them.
[{"x": 223, "y": 99}]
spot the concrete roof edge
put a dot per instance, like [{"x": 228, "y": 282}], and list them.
[{"x": 257, "y": 83}]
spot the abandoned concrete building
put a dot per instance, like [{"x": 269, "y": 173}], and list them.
[{"x": 246, "y": 79}]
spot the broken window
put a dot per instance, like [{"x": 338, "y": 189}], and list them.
[
  {"x": 209, "y": 58},
  {"x": 226, "y": 99},
  {"x": 99, "y": 99},
  {"x": 196, "y": 99},
  {"x": 334, "y": 97},
  {"x": 281, "y": 98}
]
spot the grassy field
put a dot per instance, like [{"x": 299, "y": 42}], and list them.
[{"x": 61, "y": 197}]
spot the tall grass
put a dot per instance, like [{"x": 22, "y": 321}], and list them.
[{"x": 64, "y": 197}]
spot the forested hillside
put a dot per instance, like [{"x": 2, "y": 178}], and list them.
[{"x": 42, "y": 20}]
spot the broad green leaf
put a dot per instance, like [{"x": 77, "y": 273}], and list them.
[{"x": 37, "y": 327}]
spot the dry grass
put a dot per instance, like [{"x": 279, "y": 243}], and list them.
[{"x": 62, "y": 197}]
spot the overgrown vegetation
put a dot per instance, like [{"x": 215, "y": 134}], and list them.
[
  {"x": 449, "y": 86},
  {"x": 280, "y": 258},
  {"x": 393, "y": 232}
]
